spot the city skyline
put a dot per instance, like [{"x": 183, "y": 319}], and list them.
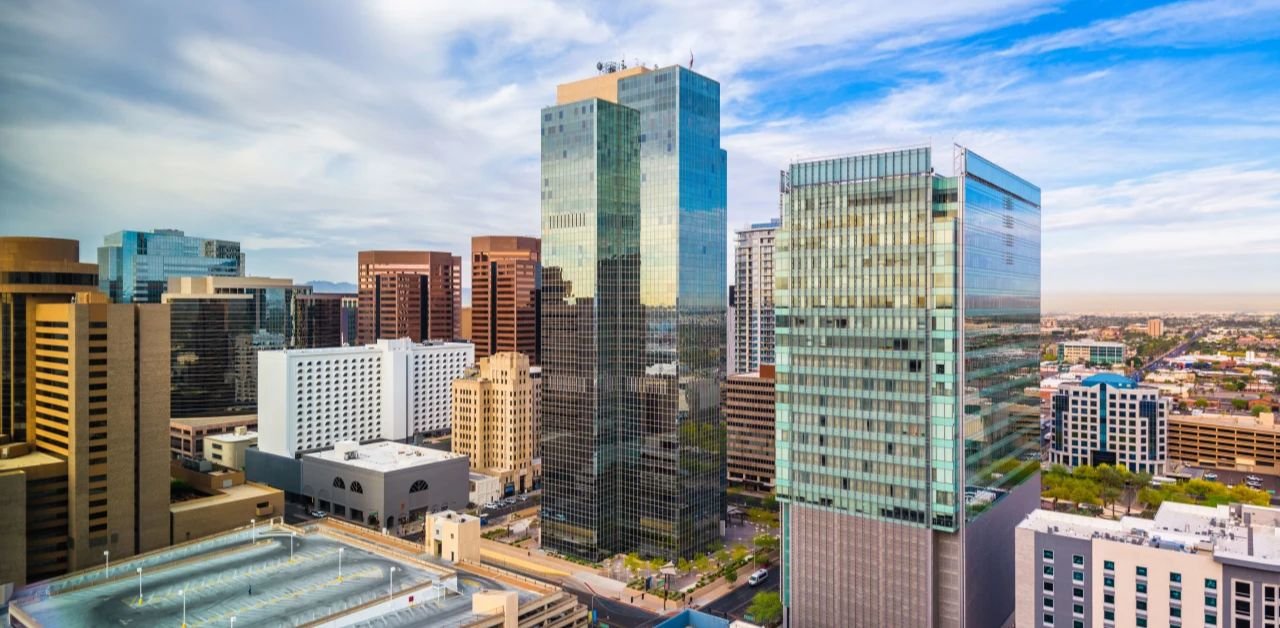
[{"x": 312, "y": 137}]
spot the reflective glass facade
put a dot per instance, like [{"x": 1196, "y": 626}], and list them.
[
  {"x": 213, "y": 337},
  {"x": 907, "y": 321},
  {"x": 135, "y": 266}
]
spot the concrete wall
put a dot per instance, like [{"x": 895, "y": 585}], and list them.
[
  {"x": 1254, "y": 579},
  {"x": 387, "y": 494},
  {"x": 988, "y": 556},
  {"x": 284, "y": 473},
  {"x": 226, "y": 512}
]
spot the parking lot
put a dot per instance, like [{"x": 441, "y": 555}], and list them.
[
  {"x": 531, "y": 500},
  {"x": 1270, "y": 483}
]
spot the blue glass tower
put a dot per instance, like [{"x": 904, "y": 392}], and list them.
[{"x": 135, "y": 266}]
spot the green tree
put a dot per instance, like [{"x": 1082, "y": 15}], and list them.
[
  {"x": 765, "y": 542},
  {"x": 1239, "y": 404},
  {"x": 683, "y": 565},
  {"x": 1133, "y": 484},
  {"x": 766, "y": 608},
  {"x": 633, "y": 562},
  {"x": 722, "y": 556},
  {"x": 1202, "y": 403},
  {"x": 702, "y": 563},
  {"x": 731, "y": 575},
  {"x": 740, "y": 552}
]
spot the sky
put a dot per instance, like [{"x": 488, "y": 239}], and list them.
[{"x": 311, "y": 130}]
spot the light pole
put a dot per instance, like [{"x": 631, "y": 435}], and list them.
[
  {"x": 292, "y": 535},
  {"x": 340, "y": 564},
  {"x": 391, "y": 583},
  {"x": 139, "y": 586},
  {"x": 183, "y": 593},
  {"x": 253, "y": 530},
  {"x": 107, "y": 555}
]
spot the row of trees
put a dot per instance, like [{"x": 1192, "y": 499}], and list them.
[{"x": 1105, "y": 485}]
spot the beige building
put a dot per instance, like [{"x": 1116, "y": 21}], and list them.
[
  {"x": 32, "y": 271},
  {"x": 1231, "y": 442},
  {"x": 1155, "y": 327},
  {"x": 221, "y": 501},
  {"x": 452, "y": 536},
  {"x": 33, "y": 522},
  {"x": 227, "y": 450},
  {"x": 493, "y": 419},
  {"x": 98, "y": 382},
  {"x": 749, "y": 425},
  {"x": 187, "y": 434}
]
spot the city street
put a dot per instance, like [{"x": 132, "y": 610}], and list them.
[{"x": 734, "y": 604}]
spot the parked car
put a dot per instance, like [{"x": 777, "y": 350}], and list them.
[
  {"x": 1211, "y": 476},
  {"x": 759, "y": 576},
  {"x": 319, "y": 514}
]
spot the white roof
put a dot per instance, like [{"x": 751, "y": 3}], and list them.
[
  {"x": 232, "y": 437},
  {"x": 385, "y": 456}
]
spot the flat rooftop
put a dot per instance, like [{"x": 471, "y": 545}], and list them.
[
  {"x": 217, "y": 573},
  {"x": 1228, "y": 420},
  {"x": 385, "y": 456},
  {"x": 232, "y": 437},
  {"x": 246, "y": 491},
  {"x": 28, "y": 460},
  {"x": 1093, "y": 343},
  {"x": 206, "y": 421}
]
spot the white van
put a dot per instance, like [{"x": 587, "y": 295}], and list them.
[{"x": 759, "y": 576}]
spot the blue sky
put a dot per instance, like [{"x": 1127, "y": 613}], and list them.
[{"x": 311, "y": 130}]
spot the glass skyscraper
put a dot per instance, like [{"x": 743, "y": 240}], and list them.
[
  {"x": 907, "y": 330},
  {"x": 659, "y": 448},
  {"x": 135, "y": 266}
]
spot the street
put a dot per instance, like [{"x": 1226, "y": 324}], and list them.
[{"x": 734, "y": 604}]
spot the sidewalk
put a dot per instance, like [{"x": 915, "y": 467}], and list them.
[{"x": 551, "y": 568}]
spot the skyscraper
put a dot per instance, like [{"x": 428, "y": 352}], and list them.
[
  {"x": 413, "y": 294},
  {"x": 506, "y": 275},
  {"x": 662, "y": 429},
  {"x": 318, "y": 320},
  {"x": 908, "y": 309},
  {"x": 32, "y": 271},
  {"x": 135, "y": 266},
  {"x": 753, "y": 296}
]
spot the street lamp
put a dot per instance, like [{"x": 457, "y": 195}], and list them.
[
  {"x": 391, "y": 583},
  {"x": 340, "y": 564},
  {"x": 292, "y": 535},
  {"x": 253, "y": 530},
  {"x": 139, "y": 586},
  {"x": 107, "y": 555},
  {"x": 183, "y": 593}
]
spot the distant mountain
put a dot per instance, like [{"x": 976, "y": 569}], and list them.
[{"x": 332, "y": 286}]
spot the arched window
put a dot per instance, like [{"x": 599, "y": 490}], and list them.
[
  {"x": 418, "y": 487},
  {"x": 338, "y": 483},
  {"x": 356, "y": 488}
]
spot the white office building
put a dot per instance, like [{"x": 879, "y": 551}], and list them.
[
  {"x": 1109, "y": 418},
  {"x": 309, "y": 399}
]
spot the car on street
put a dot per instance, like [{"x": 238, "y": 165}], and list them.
[
  {"x": 319, "y": 514},
  {"x": 759, "y": 576},
  {"x": 1211, "y": 476}
]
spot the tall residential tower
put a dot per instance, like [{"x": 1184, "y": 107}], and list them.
[
  {"x": 753, "y": 297},
  {"x": 908, "y": 309}
]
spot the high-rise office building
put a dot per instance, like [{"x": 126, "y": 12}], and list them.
[
  {"x": 350, "y": 314},
  {"x": 908, "y": 312},
  {"x": 317, "y": 320},
  {"x": 506, "y": 274},
  {"x": 409, "y": 294},
  {"x": 1110, "y": 419},
  {"x": 98, "y": 383},
  {"x": 32, "y": 271},
  {"x": 749, "y": 425},
  {"x": 135, "y": 266},
  {"x": 493, "y": 419},
  {"x": 648, "y": 476},
  {"x": 219, "y": 324},
  {"x": 753, "y": 296}
]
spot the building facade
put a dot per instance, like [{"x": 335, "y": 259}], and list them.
[
  {"x": 394, "y": 389},
  {"x": 98, "y": 383},
  {"x": 493, "y": 419},
  {"x": 749, "y": 424},
  {"x": 135, "y": 266},
  {"x": 33, "y": 516},
  {"x": 650, "y": 477},
  {"x": 317, "y": 321},
  {"x": 907, "y": 325},
  {"x": 384, "y": 484},
  {"x": 228, "y": 450},
  {"x": 409, "y": 294},
  {"x": 1228, "y": 442},
  {"x": 1090, "y": 351},
  {"x": 1155, "y": 327},
  {"x": 506, "y": 277},
  {"x": 1110, "y": 419},
  {"x": 350, "y": 316},
  {"x": 753, "y": 296},
  {"x": 1190, "y": 566},
  {"x": 186, "y": 435},
  {"x": 32, "y": 271}
]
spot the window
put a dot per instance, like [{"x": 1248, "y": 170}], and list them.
[
  {"x": 1210, "y": 619},
  {"x": 1077, "y": 609},
  {"x": 1142, "y": 621},
  {"x": 1210, "y": 601},
  {"x": 418, "y": 487},
  {"x": 1048, "y": 554},
  {"x": 1142, "y": 587},
  {"x": 1047, "y": 619},
  {"x": 1142, "y": 572},
  {"x": 1048, "y": 586},
  {"x": 1244, "y": 589},
  {"x": 1108, "y": 581},
  {"x": 1109, "y": 565},
  {"x": 1109, "y": 615},
  {"x": 1077, "y": 593},
  {"x": 1108, "y": 598},
  {"x": 1175, "y": 577},
  {"x": 1141, "y": 605},
  {"x": 356, "y": 488},
  {"x": 1077, "y": 560},
  {"x": 338, "y": 483},
  {"x": 1210, "y": 583},
  {"x": 1077, "y": 576},
  {"x": 1175, "y": 594}
]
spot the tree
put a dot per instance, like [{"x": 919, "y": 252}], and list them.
[
  {"x": 1134, "y": 484},
  {"x": 766, "y": 608},
  {"x": 731, "y": 575},
  {"x": 762, "y": 559},
  {"x": 633, "y": 562},
  {"x": 740, "y": 552},
  {"x": 702, "y": 563},
  {"x": 765, "y": 542},
  {"x": 1202, "y": 403},
  {"x": 1239, "y": 404},
  {"x": 722, "y": 556},
  {"x": 682, "y": 565}
]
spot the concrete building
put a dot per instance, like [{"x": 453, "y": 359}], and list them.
[
  {"x": 493, "y": 419},
  {"x": 633, "y": 314},
  {"x": 228, "y": 450},
  {"x": 313, "y": 398},
  {"x": 220, "y": 501},
  {"x": 482, "y": 489},
  {"x": 452, "y": 536},
  {"x": 135, "y": 266},
  {"x": 317, "y": 320},
  {"x": 186, "y": 435},
  {"x": 33, "y": 516},
  {"x": 907, "y": 316},
  {"x": 749, "y": 425},
  {"x": 1110, "y": 419},
  {"x": 409, "y": 294},
  {"x": 1090, "y": 351},
  {"x": 506, "y": 279},
  {"x": 1155, "y": 327},
  {"x": 32, "y": 271},
  {"x": 98, "y": 382},
  {"x": 1190, "y": 566},
  {"x": 753, "y": 296},
  {"x": 1228, "y": 442},
  {"x": 385, "y": 483}
]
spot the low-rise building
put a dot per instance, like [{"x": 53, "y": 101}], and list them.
[
  {"x": 1230, "y": 442},
  {"x": 483, "y": 489},
  {"x": 452, "y": 536},
  {"x": 218, "y": 500},
  {"x": 1189, "y": 566},
  {"x": 1110, "y": 419},
  {"x": 749, "y": 424},
  {"x": 1090, "y": 351},
  {"x": 385, "y": 483},
  {"x": 186, "y": 435},
  {"x": 227, "y": 450}
]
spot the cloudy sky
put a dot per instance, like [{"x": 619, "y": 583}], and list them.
[{"x": 309, "y": 130}]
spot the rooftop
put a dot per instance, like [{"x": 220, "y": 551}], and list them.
[
  {"x": 232, "y": 437},
  {"x": 26, "y": 461},
  {"x": 1221, "y": 530},
  {"x": 206, "y": 421},
  {"x": 1094, "y": 343},
  {"x": 239, "y": 492},
  {"x": 400, "y": 344},
  {"x": 1110, "y": 379},
  {"x": 256, "y": 576},
  {"x": 383, "y": 456},
  {"x": 1266, "y": 421}
]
